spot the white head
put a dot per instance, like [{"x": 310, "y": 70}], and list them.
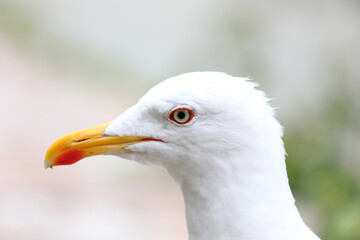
[{"x": 229, "y": 117}]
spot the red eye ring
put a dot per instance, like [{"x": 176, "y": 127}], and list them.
[{"x": 181, "y": 115}]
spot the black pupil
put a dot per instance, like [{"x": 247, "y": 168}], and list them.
[{"x": 181, "y": 115}]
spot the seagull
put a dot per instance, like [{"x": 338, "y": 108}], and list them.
[{"x": 218, "y": 138}]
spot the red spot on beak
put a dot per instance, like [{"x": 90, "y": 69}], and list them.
[{"x": 70, "y": 157}]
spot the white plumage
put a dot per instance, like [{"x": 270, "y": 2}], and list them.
[
  {"x": 218, "y": 138},
  {"x": 229, "y": 160}
]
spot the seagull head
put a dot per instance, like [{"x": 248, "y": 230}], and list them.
[
  {"x": 186, "y": 122},
  {"x": 218, "y": 138}
]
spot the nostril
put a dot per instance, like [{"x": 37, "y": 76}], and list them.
[{"x": 82, "y": 140}]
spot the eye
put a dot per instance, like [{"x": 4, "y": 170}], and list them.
[{"x": 181, "y": 115}]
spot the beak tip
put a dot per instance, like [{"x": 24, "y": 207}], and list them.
[{"x": 47, "y": 165}]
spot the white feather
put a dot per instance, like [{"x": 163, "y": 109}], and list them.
[{"x": 229, "y": 160}]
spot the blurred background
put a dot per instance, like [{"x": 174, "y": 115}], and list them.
[{"x": 71, "y": 64}]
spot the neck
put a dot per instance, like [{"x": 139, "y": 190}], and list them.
[{"x": 244, "y": 201}]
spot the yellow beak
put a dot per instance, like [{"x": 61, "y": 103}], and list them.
[{"x": 88, "y": 142}]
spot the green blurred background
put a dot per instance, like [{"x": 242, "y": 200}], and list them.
[{"x": 70, "y": 64}]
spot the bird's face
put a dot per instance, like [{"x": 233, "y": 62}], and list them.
[{"x": 177, "y": 121}]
